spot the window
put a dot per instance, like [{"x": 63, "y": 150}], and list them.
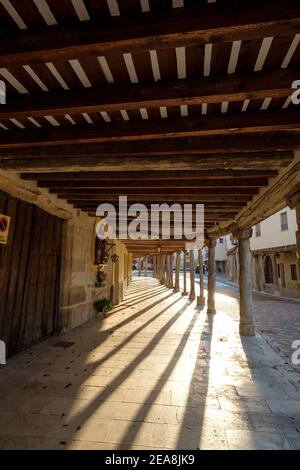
[
  {"x": 257, "y": 230},
  {"x": 284, "y": 221},
  {"x": 221, "y": 240},
  {"x": 294, "y": 276}
]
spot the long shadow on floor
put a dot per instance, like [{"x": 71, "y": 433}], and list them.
[
  {"x": 102, "y": 396},
  {"x": 194, "y": 413},
  {"x": 139, "y": 418}
]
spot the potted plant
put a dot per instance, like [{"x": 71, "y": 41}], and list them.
[{"x": 103, "y": 305}]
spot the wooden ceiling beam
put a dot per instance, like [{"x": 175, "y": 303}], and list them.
[
  {"x": 134, "y": 134},
  {"x": 184, "y": 27},
  {"x": 145, "y": 186},
  {"x": 221, "y": 199},
  {"x": 173, "y": 175},
  {"x": 178, "y": 147},
  {"x": 112, "y": 98}
]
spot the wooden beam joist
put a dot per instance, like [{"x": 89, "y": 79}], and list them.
[
  {"x": 178, "y": 147},
  {"x": 164, "y": 176},
  {"x": 112, "y": 98},
  {"x": 137, "y": 132},
  {"x": 209, "y": 162},
  {"x": 235, "y": 199},
  {"x": 144, "y": 186},
  {"x": 191, "y": 26}
]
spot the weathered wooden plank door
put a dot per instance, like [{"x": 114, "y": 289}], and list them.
[{"x": 29, "y": 274}]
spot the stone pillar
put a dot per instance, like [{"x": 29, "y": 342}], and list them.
[
  {"x": 184, "y": 273},
  {"x": 145, "y": 261},
  {"x": 211, "y": 282},
  {"x": 201, "y": 298},
  {"x": 260, "y": 273},
  {"x": 192, "y": 295},
  {"x": 275, "y": 274},
  {"x": 246, "y": 320},
  {"x": 176, "y": 288},
  {"x": 140, "y": 262}
]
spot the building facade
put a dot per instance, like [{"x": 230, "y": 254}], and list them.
[{"x": 274, "y": 259}]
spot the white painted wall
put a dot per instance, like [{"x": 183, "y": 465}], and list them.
[
  {"x": 221, "y": 249},
  {"x": 271, "y": 234}
]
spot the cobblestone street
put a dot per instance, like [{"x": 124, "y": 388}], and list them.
[
  {"x": 156, "y": 373},
  {"x": 277, "y": 319}
]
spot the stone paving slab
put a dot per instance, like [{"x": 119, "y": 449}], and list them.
[{"x": 156, "y": 373}]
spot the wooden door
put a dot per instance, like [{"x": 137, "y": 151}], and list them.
[{"x": 29, "y": 274}]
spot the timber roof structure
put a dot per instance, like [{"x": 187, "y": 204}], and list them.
[{"x": 162, "y": 101}]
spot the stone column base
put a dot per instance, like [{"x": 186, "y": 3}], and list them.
[
  {"x": 211, "y": 311},
  {"x": 184, "y": 292},
  {"x": 247, "y": 329},
  {"x": 192, "y": 297},
  {"x": 200, "y": 300},
  {"x": 176, "y": 289}
]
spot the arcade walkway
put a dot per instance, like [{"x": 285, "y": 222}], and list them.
[{"x": 156, "y": 373}]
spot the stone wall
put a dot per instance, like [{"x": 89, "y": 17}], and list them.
[
  {"x": 78, "y": 274},
  {"x": 287, "y": 259}
]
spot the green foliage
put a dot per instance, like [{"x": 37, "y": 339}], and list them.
[{"x": 103, "y": 305}]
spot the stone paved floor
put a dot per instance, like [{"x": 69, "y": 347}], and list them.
[{"x": 156, "y": 373}]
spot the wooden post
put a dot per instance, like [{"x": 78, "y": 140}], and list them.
[
  {"x": 184, "y": 273},
  {"x": 298, "y": 243},
  {"x": 176, "y": 289},
  {"x": 246, "y": 318},
  {"x": 171, "y": 271},
  {"x": 211, "y": 283},
  {"x": 140, "y": 261},
  {"x": 275, "y": 274},
  {"x": 145, "y": 261},
  {"x": 192, "y": 295},
  {"x": 201, "y": 298}
]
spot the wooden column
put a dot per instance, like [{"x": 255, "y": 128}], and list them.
[
  {"x": 176, "y": 288},
  {"x": 171, "y": 271},
  {"x": 140, "y": 261},
  {"x": 184, "y": 273},
  {"x": 201, "y": 298},
  {"x": 145, "y": 261},
  {"x": 192, "y": 295},
  {"x": 211, "y": 283},
  {"x": 246, "y": 307},
  {"x": 162, "y": 269},
  {"x": 298, "y": 243},
  {"x": 275, "y": 274},
  {"x": 260, "y": 273},
  {"x": 294, "y": 203},
  {"x": 157, "y": 264}
]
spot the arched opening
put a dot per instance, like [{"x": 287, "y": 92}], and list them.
[{"x": 269, "y": 270}]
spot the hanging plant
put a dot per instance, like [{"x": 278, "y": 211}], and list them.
[
  {"x": 114, "y": 258},
  {"x": 100, "y": 277}
]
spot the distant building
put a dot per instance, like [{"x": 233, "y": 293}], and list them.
[
  {"x": 224, "y": 244},
  {"x": 273, "y": 246}
]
